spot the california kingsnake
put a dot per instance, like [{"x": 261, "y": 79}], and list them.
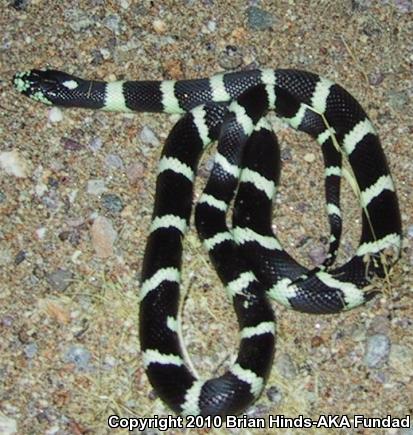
[{"x": 248, "y": 258}]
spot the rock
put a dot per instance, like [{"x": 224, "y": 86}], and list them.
[
  {"x": 274, "y": 395},
  {"x": 79, "y": 356},
  {"x": 113, "y": 161},
  {"x": 147, "y": 136},
  {"x": 230, "y": 58},
  {"x": 103, "y": 237},
  {"x": 59, "y": 279},
  {"x": 55, "y": 114},
  {"x": 95, "y": 144},
  {"x": 135, "y": 172},
  {"x": 71, "y": 144},
  {"x": 113, "y": 23},
  {"x": 317, "y": 254},
  {"x": 376, "y": 78},
  {"x": 404, "y": 6},
  {"x": 159, "y": 26},
  {"x": 377, "y": 350},
  {"x": 309, "y": 158},
  {"x": 286, "y": 367},
  {"x": 96, "y": 187},
  {"x": 360, "y": 5},
  {"x": 286, "y": 154},
  {"x": 112, "y": 202},
  {"x": 19, "y": 5},
  {"x": 20, "y": 257},
  {"x": 401, "y": 358},
  {"x": 258, "y": 19},
  {"x": 30, "y": 350},
  {"x": 8, "y": 425},
  {"x": 77, "y": 19},
  {"x": 13, "y": 164},
  {"x": 398, "y": 100}
]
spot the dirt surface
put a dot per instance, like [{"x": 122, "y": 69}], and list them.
[{"x": 75, "y": 210}]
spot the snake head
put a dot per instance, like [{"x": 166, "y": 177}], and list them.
[{"x": 48, "y": 87}]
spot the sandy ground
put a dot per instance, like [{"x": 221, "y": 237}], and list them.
[{"x": 69, "y": 349}]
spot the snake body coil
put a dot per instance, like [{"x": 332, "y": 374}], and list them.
[{"x": 248, "y": 258}]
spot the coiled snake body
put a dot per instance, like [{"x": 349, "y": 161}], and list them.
[{"x": 248, "y": 258}]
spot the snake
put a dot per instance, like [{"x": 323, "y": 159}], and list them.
[{"x": 230, "y": 108}]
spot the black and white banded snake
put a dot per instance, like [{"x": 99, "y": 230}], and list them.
[{"x": 249, "y": 260}]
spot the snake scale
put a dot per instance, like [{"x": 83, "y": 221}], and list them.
[{"x": 248, "y": 258}]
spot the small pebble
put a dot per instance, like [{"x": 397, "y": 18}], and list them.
[
  {"x": 159, "y": 26},
  {"x": 55, "y": 114},
  {"x": 8, "y": 425},
  {"x": 40, "y": 233},
  {"x": 30, "y": 350},
  {"x": 211, "y": 26},
  {"x": 112, "y": 202},
  {"x": 398, "y": 100},
  {"x": 410, "y": 231},
  {"x": 135, "y": 173},
  {"x": 376, "y": 78},
  {"x": 71, "y": 144},
  {"x": 77, "y": 19},
  {"x": 380, "y": 324},
  {"x": 147, "y": 136},
  {"x": 106, "y": 54},
  {"x": 401, "y": 358},
  {"x": 79, "y": 356},
  {"x": 285, "y": 366},
  {"x": 309, "y": 157},
  {"x": 377, "y": 351},
  {"x": 95, "y": 144},
  {"x": 153, "y": 395},
  {"x": 113, "y": 161},
  {"x": 51, "y": 200},
  {"x": 274, "y": 395},
  {"x": 109, "y": 362},
  {"x": 124, "y": 4},
  {"x": 404, "y": 6},
  {"x": 73, "y": 236},
  {"x": 20, "y": 257},
  {"x": 317, "y": 254},
  {"x": 59, "y": 279},
  {"x": 3, "y": 197},
  {"x": 113, "y": 23},
  {"x": 286, "y": 154},
  {"x": 96, "y": 187},
  {"x": 103, "y": 236},
  {"x": 257, "y": 410},
  {"x": 360, "y": 5},
  {"x": 316, "y": 341},
  {"x": 13, "y": 164},
  {"x": 7, "y": 321},
  {"x": 20, "y": 5},
  {"x": 97, "y": 57},
  {"x": 230, "y": 58},
  {"x": 258, "y": 19}
]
